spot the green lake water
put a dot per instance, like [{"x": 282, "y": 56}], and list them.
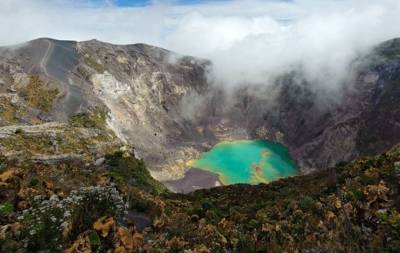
[{"x": 247, "y": 161}]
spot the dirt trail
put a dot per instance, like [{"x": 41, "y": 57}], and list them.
[
  {"x": 57, "y": 62},
  {"x": 45, "y": 59}
]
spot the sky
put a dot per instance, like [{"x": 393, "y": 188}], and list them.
[
  {"x": 247, "y": 40},
  {"x": 132, "y": 2},
  {"x": 148, "y": 2}
]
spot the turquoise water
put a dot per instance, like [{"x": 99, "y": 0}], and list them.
[{"x": 249, "y": 161}]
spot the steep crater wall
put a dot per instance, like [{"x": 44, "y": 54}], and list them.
[{"x": 164, "y": 105}]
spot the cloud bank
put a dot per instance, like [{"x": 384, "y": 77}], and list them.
[{"x": 248, "y": 41}]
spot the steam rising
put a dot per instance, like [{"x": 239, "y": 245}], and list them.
[{"x": 248, "y": 41}]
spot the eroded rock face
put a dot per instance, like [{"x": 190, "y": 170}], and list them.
[
  {"x": 365, "y": 122},
  {"x": 163, "y": 105},
  {"x": 143, "y": 87}
]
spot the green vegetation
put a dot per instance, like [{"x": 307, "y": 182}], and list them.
[
  {"x": 82, "y": 206},
  {"x": 56, "y": 219},
  {"x": 14, "y": 110},
  {"x": 38, "y": 95},
  {"x": 94, "y": 64},
  {"x": 70, "y": 140},
  {"x": 7, "y": 111},
  {"x": 6, "y": 208},
  {"x": 126, "y": 169},
  {"x": 95, "y": 118},
  {"x": 19, "y": 131},
  {"x": 351, "y": 208},
  {"x": 306, "y": 203},
  {"x": 94, "y": 239}
]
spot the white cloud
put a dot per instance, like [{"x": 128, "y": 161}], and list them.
[
  {"x": 248, "y": 40},
  {"x": 321, "y": 37}
]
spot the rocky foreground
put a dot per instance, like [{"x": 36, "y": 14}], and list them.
[{"x": 71, "y": 188}]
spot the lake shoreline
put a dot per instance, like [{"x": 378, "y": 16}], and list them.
[
  {"x": 194, "y": 179},
  {"x": 247, "y": 161}
]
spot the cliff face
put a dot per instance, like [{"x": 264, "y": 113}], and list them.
[
  {"x": 365, "y": 122},
  {"x": 162, "y": 103},
  {"x": 139, "y": 87}
]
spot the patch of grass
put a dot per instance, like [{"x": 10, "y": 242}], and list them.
[
  {"x": 19, "y": 131},
  {"x": 6, "y": 208},
  {"x": 95, "y": 65},
  {"x": 306, "y": 202},
  {"x": 38, "y": 95},
  {"x": 34, "y": 182},
  {"x": 91, "y": 119},
  {"x": 68, "y": 141},
  {"x": 126, "y": 169},
  {"x": 7, "y": 111},
  {"x": 94, "y": 239}
]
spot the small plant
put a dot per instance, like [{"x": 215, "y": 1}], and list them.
[
  {"x": 91, "y": 119},
  {"x": 49, "y": 223},
  {"x": 6, "y": 208},
  {"x": 306, "y": 202},
  {"x": 358, "y": 195},
  {"x": 139, "y": 204},
  {"x": 19, "y": 131},
  {"x": 34, "y": 182},
  {"x": 94, "y": 239}
]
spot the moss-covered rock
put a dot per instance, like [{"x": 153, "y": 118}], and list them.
[{"x": 95, "y": 118}]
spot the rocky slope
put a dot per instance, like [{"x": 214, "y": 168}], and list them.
[
  {"x": 163, "y": 104},
  {"x": 139, "y": 87}
]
